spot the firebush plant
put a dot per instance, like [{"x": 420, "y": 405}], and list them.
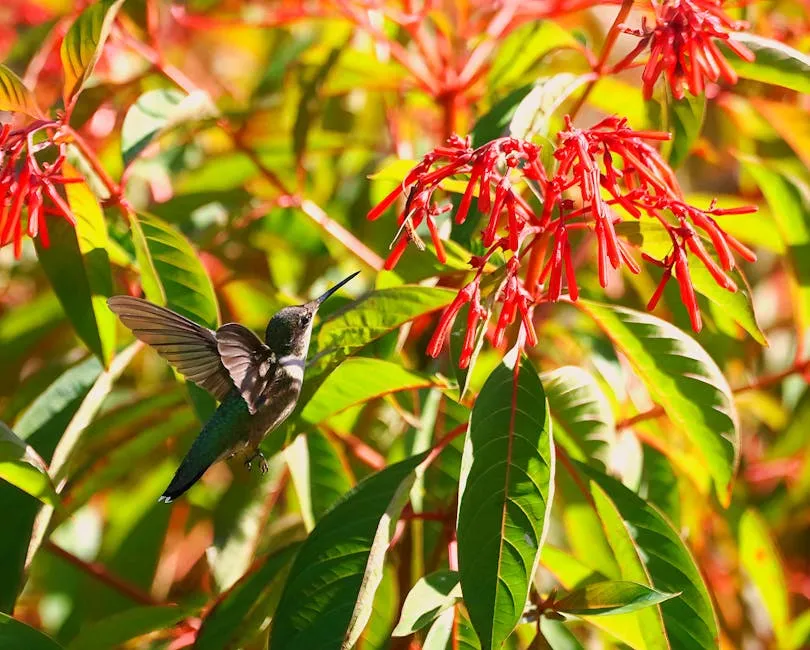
[{"x": 565, "y": 405}]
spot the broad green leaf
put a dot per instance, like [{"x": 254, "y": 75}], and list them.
[
  {"x": 359, "y": 380},
  {"x": 799, "y": 633},
  {"x": 171, "y": 273},
  {"x": 383, "y": 616},
  {"x": 634, "y": 108},
  {"x": 16, "y": 635},
  {"x": 83, "y": 42},
  {"x": 41, "y": 426},
  {"x": 532, "y": 116},
  {"x": 14, "y": 96},
  {"x": 156, "y": 112},
  {"x": 685, "y": 121},
  {"x": 78, "y": 267},
  {"x": 652, "y": 238},
  {"x": 629, "y": 558},
  {"x": 573, "y": 574},
  {"x": 505, "y": 494},
  {"x": 495, "y": 122},
  {"x": 340, "y": 565},
  {"x": 789, "y": 201},
  {"x": 115, "y": 630},
  {"x": 427, "y": 599},
  {"x": 255, "y": 594},
  {"x": 776, "y": 63},
  {"x": 367, "y": 319},
  {"x": 583, "y": 419},
  {"x": 689, "y": 619},
  {"x": 438, "y": 636},
  {"x": 20, "y": 465},
  {"x": 88, "y": 409},
  {"x": 523, "y": 49},
  {"x": 319, "y": 474},
  {"x": 760, "y": 560},
  {"x": 613, "y": 597},
  {"x": 681, "y": 377}
]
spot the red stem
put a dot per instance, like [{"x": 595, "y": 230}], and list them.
[{"x": 101, "y": 574}]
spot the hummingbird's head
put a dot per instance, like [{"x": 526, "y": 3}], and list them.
[{"x": 289, "y": 331}]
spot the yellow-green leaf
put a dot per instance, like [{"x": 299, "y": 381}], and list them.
[
  {"x": 14, "y": 96},
  {"x": 81, "y": 47}
]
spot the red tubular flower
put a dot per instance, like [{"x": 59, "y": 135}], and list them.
[
  {"x": 682, "y": 46},
  {"x": 598, "y": 171},
  {"x": 448, "y": 316},
  {"x": 24, "y": 183}
]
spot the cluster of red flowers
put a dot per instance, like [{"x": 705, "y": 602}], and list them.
[
  {"x": 26, "y": 182},
  {"x": 597, "y": 171},
  {"x": 682, "y": 46}
]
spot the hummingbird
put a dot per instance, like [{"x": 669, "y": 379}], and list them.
[{"x": 257, "y": 384}]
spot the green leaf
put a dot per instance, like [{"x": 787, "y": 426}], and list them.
[
  {"x": 760, "y": 560},
  {"x": 583, "y": 419},
  {"x": 16, "y": 635},
  {"x": 689, "y": 619},
  {"x": 684, "y": 380},
  {"x": 78, "y": 268},
  {"x": 171, "y": 273},
  {"x": 14, "y": 96},
  {"x": 256, "y": 594},
  {"x": 532, "y": 116},
  {"x": 340, "y": 565},
  {"x": 505, "y": 494},
  {"x": 367, "y": 319},
  {"x": 652, "y": 238},
  {"x": 20, "y": 465},
  {"x": 318, "y": 473},
  {"x": 309, "y": 103},
  {"x": 789, "y": 201},
  {"x": 115, "y": 630},
  {"x": 81, "y": 47},
  {"x": 612, "y": 597},
  {"x": 88, "y": 409},
  {"x": 428, "y": 598},
  {"x": 359, "y": 380},
  {"x": 156, "y": 112},
  {"x": 573, "y": 574},
  {"x": 775, "y": 63},
  {"x": 438, "y": 636},
  {"x": 495, "y": 122},
  {"x": 684, "y": 121}
]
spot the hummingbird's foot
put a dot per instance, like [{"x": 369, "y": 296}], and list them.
[{"x": 263, "y": 467}]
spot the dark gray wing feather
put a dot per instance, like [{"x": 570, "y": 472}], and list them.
[
  {"x": 251, "y": 364},
  {"x": 189, "y": 347}
]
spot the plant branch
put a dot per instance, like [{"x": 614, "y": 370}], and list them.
[{"x": 101, "y": 574}]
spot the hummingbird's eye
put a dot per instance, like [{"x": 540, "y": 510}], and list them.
[{"x": 305, "y": 320}]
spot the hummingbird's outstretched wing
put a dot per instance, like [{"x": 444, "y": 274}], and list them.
[
  {"x": 189, "y": 347},
  {"x": 251, "y": 364}
]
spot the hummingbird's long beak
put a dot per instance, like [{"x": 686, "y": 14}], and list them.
[{"x": 319, "y": 300}]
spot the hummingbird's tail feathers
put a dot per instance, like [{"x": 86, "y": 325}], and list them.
[{"x": 182, "y": 481}]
